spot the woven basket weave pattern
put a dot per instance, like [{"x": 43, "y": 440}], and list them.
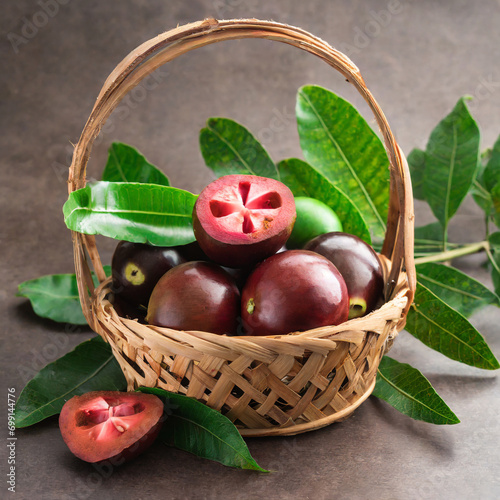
[{"x": 266, "y": 385}]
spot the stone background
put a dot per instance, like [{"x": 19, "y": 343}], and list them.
[{"x": 417, "y": 58}]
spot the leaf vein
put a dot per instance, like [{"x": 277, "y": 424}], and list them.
[
  {"x": 220, "y": 440},
  {"x": 409, "y": 396},
  {"x": 230, "y": 146},
  {"x": 99, "y": 368},
  {"x": 346, "y": 161}
]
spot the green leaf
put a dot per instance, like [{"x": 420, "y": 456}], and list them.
[
  {"x": 304, "y": 180},
  {"x": 198, "y": 429},
  {"x": 491, "y": 173},
  {"x": 338, "y": 142},
  {"x": 482, "y": 197},
  {"x": 91, "y": 366},
  {"x": 56, "y": 297},
  {"x": 407, "y": 390},
  {"x": 486, "y": 189},
  {"x": 126, "y": 164},
  {"x": 452, "y": 158},
  {"x": 445, "y": 330},
  {"x": 495, "y": 201},
  {"x": 229, "y": 148},
  {"x": 416, "y": 163},
  {"x": 141, "y": 213},
  {"x": 494, "y": 258},
  {"x": 480, "y": 193},
  {"x": 461, "y": 292},
  {"x": 429, "y": 239}
]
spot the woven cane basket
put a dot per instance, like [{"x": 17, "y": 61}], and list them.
[{"x": 281, "y": 385}]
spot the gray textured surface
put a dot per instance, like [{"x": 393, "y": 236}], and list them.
[{"x": 417, "y": 61}]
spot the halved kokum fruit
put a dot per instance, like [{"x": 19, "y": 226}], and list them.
[
  {"x": 196, "y": 296},
  {"x": 239, "y": 220},
  {"x": 110, "y": 425},
  {"x": 293, "y": 291},
  {"x": 359, "y": 265}
]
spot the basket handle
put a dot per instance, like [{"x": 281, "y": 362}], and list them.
[{"x": 398, "y": 243}]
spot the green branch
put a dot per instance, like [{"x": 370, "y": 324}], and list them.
[{"x": 453, "y": 254}]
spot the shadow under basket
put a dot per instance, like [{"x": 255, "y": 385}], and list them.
[{"x": 280, "y": 385}]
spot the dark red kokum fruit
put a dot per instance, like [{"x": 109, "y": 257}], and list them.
[
  {"x": 239, "y": 275},
  {"x": 293, "y": 291},
  {"x": 359, "y": 265},
  {"x": 130, "y": 311},
  {"x": 193, "y": 251},
  {"x": 196, "y": 296},
  {"x": 137, "y": 267},
  {"x": 110, "y": 425},
  {"x": 239, "y": 220}
]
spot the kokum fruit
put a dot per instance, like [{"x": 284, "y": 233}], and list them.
[
  {"x": 239, "y": 220},
  {"x": 359, "y": 265},
  {"x": 196, "y": 296},
  {"x": 110, "y": 425},
  {"x": 295, "y": 290},
  {"x": 193, "y": 251},
  {"x": 130, "y": 311},
  {"x": 137, "y": 267}
]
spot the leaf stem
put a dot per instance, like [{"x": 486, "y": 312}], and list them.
[{"x": 453, "y": 254}]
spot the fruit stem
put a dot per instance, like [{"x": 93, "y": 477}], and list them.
[
  {"x": 453, "y": 254},
  {"x": 250, "y": 306}
]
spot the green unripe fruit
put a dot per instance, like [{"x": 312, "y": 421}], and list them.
[{"x": 313, "y": 218}]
